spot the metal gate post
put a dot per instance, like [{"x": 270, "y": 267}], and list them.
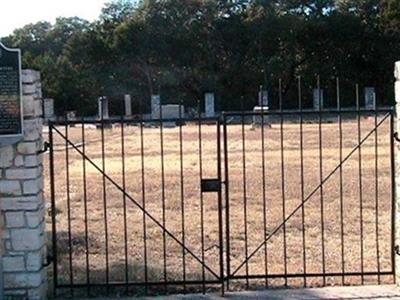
[{"x": 396, "y": 188}]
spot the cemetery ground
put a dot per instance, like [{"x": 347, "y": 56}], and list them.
[{"x": 375, "y": 241}]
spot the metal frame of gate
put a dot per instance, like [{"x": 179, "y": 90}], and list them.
[
  {"x": 224, "y": 273},
  {"x": 207, "y": 185},
  {"x": 387, "y": 116}
]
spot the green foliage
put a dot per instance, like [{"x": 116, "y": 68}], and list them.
[{"x": 185, "y": 48}]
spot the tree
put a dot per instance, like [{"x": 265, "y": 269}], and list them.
[{"x": 185, "y": 48}]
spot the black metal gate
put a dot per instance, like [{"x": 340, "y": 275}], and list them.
[
  {"x": 86, "y": 221},
  {"x": 308, "y": 210},
  {"x": 137, "y": 203}
]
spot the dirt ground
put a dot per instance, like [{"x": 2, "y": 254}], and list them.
[{"x": 345, "y": 229}]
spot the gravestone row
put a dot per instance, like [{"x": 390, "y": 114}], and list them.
[
  {"x": 169, "y": 111},
  {"x": 318, "y": 99},
  {"x": 369, "y": 98}
]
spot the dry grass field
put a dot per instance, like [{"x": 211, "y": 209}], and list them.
[{"x": 246, "y": 199}]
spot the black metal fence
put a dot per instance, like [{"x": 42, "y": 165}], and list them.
[{"x": 277, "y": 198}]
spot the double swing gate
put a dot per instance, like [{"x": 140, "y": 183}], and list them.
[{"x": 277, "y": 198}]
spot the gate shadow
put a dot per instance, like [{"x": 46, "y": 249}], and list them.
[{"x": 116, "y": 273}]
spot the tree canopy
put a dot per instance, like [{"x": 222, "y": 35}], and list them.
[{"x": 184, "y": 48}]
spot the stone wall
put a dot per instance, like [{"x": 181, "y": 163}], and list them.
[{"x": 22, "y": 204}]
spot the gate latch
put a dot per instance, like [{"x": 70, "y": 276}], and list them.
[{"x": 210, "y": 185}]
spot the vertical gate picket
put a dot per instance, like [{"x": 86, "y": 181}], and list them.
[
  {"x": 227, "y": 215},
  {"x": 53, "y": 211}
]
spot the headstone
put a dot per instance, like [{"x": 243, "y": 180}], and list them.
[
  {"x": 172, "y": 111},
  {"x": 370, "y": 98},
  {"x": 11, "y": 112},
  {"x": 71, "y": 115},
  {"x": 210, "y": 105},
  {"x": 103, "y": 108},
  {"x": 318, "y": 99},
  {"x": 48, "y": 108},
  {"x": 192, "y": 112},
  {"x": 263, "y": 99},
  {"x": 128, "y": 105},
  {"x": 260, "y": 115},
  {"x": 155, "y": 106}
]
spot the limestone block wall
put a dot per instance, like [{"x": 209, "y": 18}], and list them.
[{"x": 22, "y": 208}]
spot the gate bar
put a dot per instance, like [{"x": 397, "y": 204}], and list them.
[
  {"x": 309, "y": 112},
  {"x": 182, "y": 191},
  {"x": 163, "y": 192},
  {"x": 126, "y": 263},
  {"x": 203, "y": 274},
  {"x": 377, "y": 197},
  {"x": 227, "y": 216},
  {"x": 71, "y": 274},
  {"x": 360, "y": 185},
  {"x": 283, "y": 187},
  {"x": 53, "y": 213},
  {"x": 340, "y": 120},
  {"x": 264, "y": 183},
  {"x": 220, "y": 221},
  {"x": 303, "y": 219},
  {"x": 321, "y": 176},
  {"x": 246, "y": 247},
  {"x": 299, "y": 275},
  {"x": 85, "y": 208},
  {"x": 393, "y": 174},
  {"x": 143, "y": 198}
]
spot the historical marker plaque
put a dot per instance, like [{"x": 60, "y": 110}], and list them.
[{"x": 10, "y": 92}]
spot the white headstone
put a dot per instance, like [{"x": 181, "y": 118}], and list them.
[
  {"x": 370, "y": 97},
  {"x": 171, "y": 111},
  {"x": 260, "y": 115},
  {"x": 263, "y": 99},
  {"x": 397, "y": 84},
  {"x": 318, "y": 99},
  {"x": 103, "y": 107},
  {"x": 128, "y": 105},
  {"x": 99, "y": 107},
  {"x": 210, "y": 104},
  {"x": 155, "y": 106},
  {"x": 71, "y": 115},
  {"x": 48, "y": 108}
]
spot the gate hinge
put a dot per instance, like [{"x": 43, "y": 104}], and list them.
[
  {"x": 49, "y": 261},
  {"x": 396, "y": 137},
  {"x": 397, "y": 250},
  {"x": 46, "y": 147}
]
